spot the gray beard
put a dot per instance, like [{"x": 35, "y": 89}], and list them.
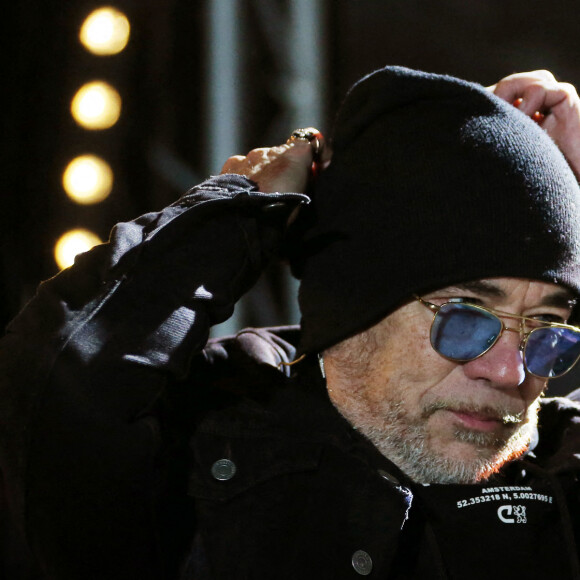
[{"x": 406, "y": 442}]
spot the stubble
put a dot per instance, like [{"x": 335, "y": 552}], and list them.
[{"x": 406, "y": 441}]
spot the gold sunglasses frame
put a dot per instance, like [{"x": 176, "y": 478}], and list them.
[{"x": 524, "y": 336}]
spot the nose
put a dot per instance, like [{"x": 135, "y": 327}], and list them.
[{"x": 502, "y": 366}]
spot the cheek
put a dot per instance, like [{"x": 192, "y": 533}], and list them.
[
  {"x": 405, "y": 348},
  {"x": 419, "y": 360},
  {"x": 408, "y": 371}
]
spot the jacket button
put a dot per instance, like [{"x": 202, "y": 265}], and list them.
[
  {"x": 223, "y": 469},
  {"x": 362, "y": 563}
]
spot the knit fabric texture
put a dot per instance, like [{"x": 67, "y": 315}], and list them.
[{"x": 434, "y": 181}]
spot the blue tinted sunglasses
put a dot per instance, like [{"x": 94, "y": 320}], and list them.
[{"x": 462, "y": 332}]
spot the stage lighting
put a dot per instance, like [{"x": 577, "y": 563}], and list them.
[
  {"x": 71, "y": 244},
  {"x": 105, "y": 31},
  {"x": 96, "y": 105},
  {"x": 88, "y": 179}
]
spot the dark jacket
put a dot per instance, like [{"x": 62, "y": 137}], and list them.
[{"x": 132, "y": 448}]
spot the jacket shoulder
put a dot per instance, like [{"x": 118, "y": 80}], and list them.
[{"x": 559, "y": 442}]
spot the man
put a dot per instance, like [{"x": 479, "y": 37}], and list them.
[{"x": 439, "y": 266}]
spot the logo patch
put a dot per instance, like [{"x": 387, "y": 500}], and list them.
[{"x": 512, "y": 514}]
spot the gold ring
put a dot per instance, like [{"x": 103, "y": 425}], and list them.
[{"x": 307, "y": 135}]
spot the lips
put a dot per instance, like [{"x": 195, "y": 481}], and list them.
[
  {"x": 475, "y": 416},
  {"x": 479, "y": 421}
]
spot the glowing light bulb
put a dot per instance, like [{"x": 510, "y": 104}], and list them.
[
  {"x": 72, "y": 243},
  {"x": 105, "y": 31},
  {"x": 88, "y": 179},
  {"x": 96, "y": 105}
]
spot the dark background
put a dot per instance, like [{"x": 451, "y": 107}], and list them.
[{"x": 162, "y": 76}]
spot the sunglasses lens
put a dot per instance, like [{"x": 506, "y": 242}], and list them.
[
  {"x": 463, "y": 332},
  {"x": 552, "y": 351}
]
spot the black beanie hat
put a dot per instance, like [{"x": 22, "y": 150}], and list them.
[{"x": 434, "y": 181}]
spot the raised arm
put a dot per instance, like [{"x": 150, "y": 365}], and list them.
[{"x": 84, "y": 367}]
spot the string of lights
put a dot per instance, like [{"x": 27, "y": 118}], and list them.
[{"x": 96, "y": 106}]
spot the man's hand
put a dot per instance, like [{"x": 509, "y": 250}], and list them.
[
  {"x": 285, "y": 168},
  {"x": 557, "y": 103}
]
